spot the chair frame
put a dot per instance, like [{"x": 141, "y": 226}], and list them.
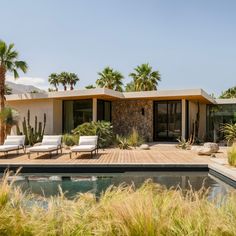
[
  {"x": 20, "y": 147},
  {"x": 91, "y": 152},
  {"x": 59, "y": 147}
]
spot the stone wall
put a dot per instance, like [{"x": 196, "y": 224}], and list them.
[{"x": 133, "y": 113}]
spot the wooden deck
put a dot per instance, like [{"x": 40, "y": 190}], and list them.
[{"x": 158, "y": 154}]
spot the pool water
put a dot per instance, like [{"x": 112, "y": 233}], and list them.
[{"x": 48, "y": 185}]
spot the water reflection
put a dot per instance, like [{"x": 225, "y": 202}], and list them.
[{"x": 97, "y": 183}]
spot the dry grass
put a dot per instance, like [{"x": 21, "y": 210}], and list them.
[
  {"x": 232, "y": 155},
  {"x": 149, "y": 210}
]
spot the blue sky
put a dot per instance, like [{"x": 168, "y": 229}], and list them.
[{"x": 191, "y": 43}]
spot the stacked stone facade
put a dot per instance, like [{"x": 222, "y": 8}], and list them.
[{"x": 127, "y": 114}]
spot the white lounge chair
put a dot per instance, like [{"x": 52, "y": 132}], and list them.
[
  {"x": 86, "y": 144},
  {"x": 50, "y": 143},
  {"x": 13, "y": 143}
]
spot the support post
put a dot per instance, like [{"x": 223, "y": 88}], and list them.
[
  {"x": 183, "y": 134},
  {"x": 94, "y": 109}
]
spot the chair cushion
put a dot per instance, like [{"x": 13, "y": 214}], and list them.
[
  {"x": 4, "y": 148},
  {"x": 51, "y": 140},
  {"x": 43, "y": 148},
  {"x": 83, "y": 148},
  {"x": 15, "y": 140},
  {"x": 12, "y": 142},
  {"x": 88, "y": 140}
]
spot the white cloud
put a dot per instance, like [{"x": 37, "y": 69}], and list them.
[{"x": 34, "y": 81}]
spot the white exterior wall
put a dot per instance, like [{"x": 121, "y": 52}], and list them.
[{"x": 52, "y": 109}]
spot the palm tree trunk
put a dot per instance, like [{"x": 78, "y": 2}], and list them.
[
  {"x": 71, "y": 87},
  {"x": 65, "y": 87},
  {"x": 2, "y": 101}
]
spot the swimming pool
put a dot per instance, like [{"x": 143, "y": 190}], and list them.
[{"x": 48, "y": 185}]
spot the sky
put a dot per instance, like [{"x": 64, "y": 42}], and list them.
[{"x": 192, "y": 43}]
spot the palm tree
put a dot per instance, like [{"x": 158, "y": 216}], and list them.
[
  {"x": 90, "y": 86},
  {"x": 53, "y": 79},
  {"x": 8, "y": 63},
  {"x": 229, "y": 93},
  {"x": 72, "y": 80},
  {"x": 64, "y": 79},
  {"x": 130, "y": 87},
  {"x": 110, "y": 79},
  {"x": 144, "y": 78}
]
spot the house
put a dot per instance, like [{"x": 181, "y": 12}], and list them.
[{"x": 162, "y": 115}]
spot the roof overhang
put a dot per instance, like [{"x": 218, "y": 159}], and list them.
[
  {"x": 188, "y": 94},
  {"x": 103, "y": 93},
  {"x": 226, "y": 101}
]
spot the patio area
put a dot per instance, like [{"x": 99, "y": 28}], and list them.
[{"x": 158, "y": 154}]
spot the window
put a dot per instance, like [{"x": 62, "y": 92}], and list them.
[
  {"x": 104, "y": 110},
  {"x": 75, "y": 113},
  {"x": 217, "y": 115}
]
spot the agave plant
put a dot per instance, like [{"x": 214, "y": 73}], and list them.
[
  {"x": 183, "y": 143},
  {"x": 123, "y": 142},
  {"x": 229, "y": 131}
]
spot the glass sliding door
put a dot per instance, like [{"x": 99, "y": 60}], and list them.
[
  {"x": 167, "y": 120},
  {"x": 76, "y": 112},
  {"x": 161, "y": 117}
]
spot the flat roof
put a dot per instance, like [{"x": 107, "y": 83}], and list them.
[
  {"x": 226, "y": 101},
  {"x": 103, "y": 93}
]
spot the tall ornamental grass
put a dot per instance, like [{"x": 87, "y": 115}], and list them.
[
  {"x": 232, "y": 155},
  {"x": 147, "y": 211}
]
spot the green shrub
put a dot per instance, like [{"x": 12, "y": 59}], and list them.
[
  {"x": 122, "y": 142},
  {"x": 70, "y": 139},
  {"x": 232, "y": 155},
  {"x": 103, "y": 129},
  {"x": 134, "y": 139}
]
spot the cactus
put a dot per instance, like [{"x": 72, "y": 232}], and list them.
[
  {"x": 33, "y": 135},
  {"x": 18, "y": 132}
]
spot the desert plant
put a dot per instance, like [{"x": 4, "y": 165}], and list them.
[
  {"x": 229, "y": 131},
  {"x": 134, "y": 139},
  {"x": 183, "y": 143},
  {"x": 70, "y": 139},
  {"x": 122, "y": 142},
  {"x": 103, "y": 129},
  {"x": 32, "y": 135},
  {"x": 232, "y": 155}
]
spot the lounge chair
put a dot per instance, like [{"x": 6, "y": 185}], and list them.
[
  {"x": 86, "y": 144},
  {"x": 13, "y": 143},
  {"x": 50, "y": 143}
]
